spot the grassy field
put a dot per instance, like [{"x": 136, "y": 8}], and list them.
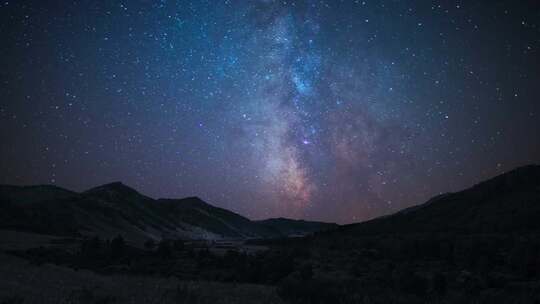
[
  {"x": 324, "y": 269},
  {"x": 23, "y": 282},
  {"x": 16, "y": 240}
]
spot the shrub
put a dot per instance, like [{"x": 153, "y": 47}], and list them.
[
  {"x": 12, "y": 300},
  {"x": 117, "y": 247},
  {"x": 178, "y": 245},
  {"x": 317, "y": 290},
  {"x": 150, "y": 245},
  {"x": 306, "y": 272},
  {"x": 164, "y": 249}
]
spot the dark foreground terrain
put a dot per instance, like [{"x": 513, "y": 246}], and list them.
[{"x": 481, "y": 245}]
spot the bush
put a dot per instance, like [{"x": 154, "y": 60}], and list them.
[
  {"x": 179, "y": 245},
  {"x": 117, "y": 247},
  {"x": 12, "y": 300},
  {"x": 164, "y": 249},
  {"x": 297, "y": 290},
  {"x": 90, "y": 296},
  {"x": 306, "y": 272},
  {"x": 150, "y": 245},
  {"x": 91, "y": 247}
]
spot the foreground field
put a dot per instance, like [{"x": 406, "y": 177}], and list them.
[
  {"x": 25, "y": 283},
  {"x": 480, "y": 245}
]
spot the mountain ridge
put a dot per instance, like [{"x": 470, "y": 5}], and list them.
[
  {"x": 297, "y": 227},
  {"x": 115, "y": 208},
  {"x": 506, "y": 202}
]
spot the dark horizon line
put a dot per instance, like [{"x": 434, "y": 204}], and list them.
[{"x": 119, "y": 183}]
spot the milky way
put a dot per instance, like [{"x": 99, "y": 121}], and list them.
[{"x": 327, "y": 110}]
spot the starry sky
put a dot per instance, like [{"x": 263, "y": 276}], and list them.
[{"x": 325, "y": 110}]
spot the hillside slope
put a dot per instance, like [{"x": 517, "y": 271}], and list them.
[
  {"x": 115, "y": 208},
  {"x": 508, "y": 203},
  {"x": 296, "y": 227}
]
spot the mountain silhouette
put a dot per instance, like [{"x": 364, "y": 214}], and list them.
[
  {"x": 115, "y": 208},
  {"x": 508, "y": 203},
  {"x": 296, "y": 227}
]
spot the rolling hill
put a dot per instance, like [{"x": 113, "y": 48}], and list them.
[
  {"x": 508, "y": 203},
  {"x": 115, "y": 208},
  {"x": 296, "y": 227}
]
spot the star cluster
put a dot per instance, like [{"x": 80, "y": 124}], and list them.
[{"x": 327, "y": 110}]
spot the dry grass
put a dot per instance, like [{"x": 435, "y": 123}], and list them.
[
  {"x": 16, "y": 240},
  {"x": 21, "y": 281}
]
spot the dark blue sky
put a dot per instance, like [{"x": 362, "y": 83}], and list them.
[{"x": 327, "y": 110}]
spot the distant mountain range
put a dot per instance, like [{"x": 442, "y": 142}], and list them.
[
  {"x": 508, "y": 203},
  {"x": 115, "y": 208},
  {"x": 479, "y": 245}
]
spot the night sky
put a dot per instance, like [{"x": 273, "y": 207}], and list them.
[{"x": 324, "y": 110}]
